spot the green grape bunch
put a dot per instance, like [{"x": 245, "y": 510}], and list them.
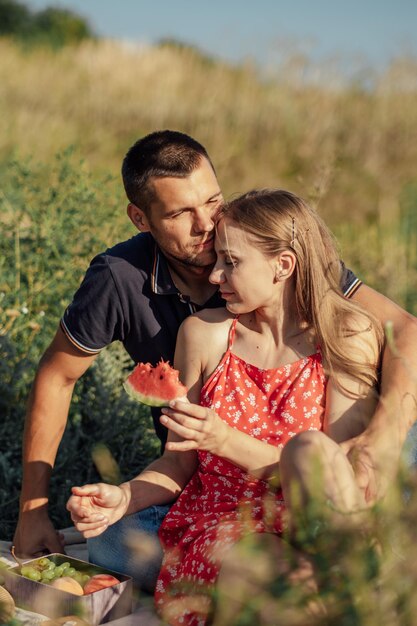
[{"x": 45, "y": 571}]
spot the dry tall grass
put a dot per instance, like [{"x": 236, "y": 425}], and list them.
[{"x": 348, "y": 144}]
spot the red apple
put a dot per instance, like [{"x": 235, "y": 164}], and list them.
[{"x": 100, "y": 581}]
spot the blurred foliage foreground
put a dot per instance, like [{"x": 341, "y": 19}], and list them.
[{"x": 359, "y": 575}]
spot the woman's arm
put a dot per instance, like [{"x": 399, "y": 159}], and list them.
[
  {"x": 94, "y": 507},
  {"x": 163, "y": 480}
]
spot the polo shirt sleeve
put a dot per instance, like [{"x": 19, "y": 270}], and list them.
[
  {"x": 349, "y": 282},
  {"x": 94, "y": 319}
]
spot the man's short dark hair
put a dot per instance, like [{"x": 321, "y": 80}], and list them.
[{"x": 163, "y": 153}]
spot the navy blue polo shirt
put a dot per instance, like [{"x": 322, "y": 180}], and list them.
[{"x": 128, "y": 295}]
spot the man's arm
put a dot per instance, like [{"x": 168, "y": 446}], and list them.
[
  {"x": 375, "y": 453},
  {"x": 59, "y": 369}
]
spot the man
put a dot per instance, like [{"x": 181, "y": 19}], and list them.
[{"x": 139, "y": 292}]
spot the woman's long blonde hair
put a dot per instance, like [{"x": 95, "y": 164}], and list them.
[{"x": 280, "y": 220}]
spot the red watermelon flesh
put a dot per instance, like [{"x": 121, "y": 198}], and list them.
[{"x": 155, "y": 386}]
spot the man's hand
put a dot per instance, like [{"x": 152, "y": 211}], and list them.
[
  {"x": 59, "y": 369},
  {"x": 200, "y": 428},
  {"x": 375, "y": 462},
  {"x": 35, "y": 535},
  {"x": 95, "y": 507}
]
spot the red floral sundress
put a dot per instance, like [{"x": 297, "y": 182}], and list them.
[{"x": 222, "y": 502}]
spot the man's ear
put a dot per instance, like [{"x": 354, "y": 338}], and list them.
[{"x": 137, "y": 217}]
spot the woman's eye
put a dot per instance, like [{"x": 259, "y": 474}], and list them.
[{"x": 229, "y": 262}]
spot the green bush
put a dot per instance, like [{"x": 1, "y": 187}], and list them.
[
  {"x": 54, "y": 26},
  {"x": 15, "y": 18},
  {"x": 60, "y": 27},
  {"x": 53, "y": 220}
]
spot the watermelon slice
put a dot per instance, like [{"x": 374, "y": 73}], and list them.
[{"x": 155, "y": 386}]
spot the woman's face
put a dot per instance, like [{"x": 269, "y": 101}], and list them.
[{"x": 244, "y": 274}]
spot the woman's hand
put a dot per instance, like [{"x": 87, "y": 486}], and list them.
[
  {"x": 95, "y": 507},
  {"x": 199, "y": 427}
]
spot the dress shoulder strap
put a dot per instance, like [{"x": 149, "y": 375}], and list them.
[{"x": 232, "y": 332}]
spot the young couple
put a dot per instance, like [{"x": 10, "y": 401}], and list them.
[
  {"x": 140, "y": 291},
  {"x": 277, "y": 379}
]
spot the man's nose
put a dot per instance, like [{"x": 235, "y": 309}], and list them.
[{"x": 204, "y": 220}]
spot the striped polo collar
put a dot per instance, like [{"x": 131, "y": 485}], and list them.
[{"x": 161, "y": 280}]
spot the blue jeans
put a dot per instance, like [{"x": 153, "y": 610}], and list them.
[{"x": 131, "y": 546}]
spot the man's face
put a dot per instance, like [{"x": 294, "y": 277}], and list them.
[{"x": 181, "y": 217}]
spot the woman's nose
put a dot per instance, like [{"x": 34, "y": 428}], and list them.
[{"x": 217, "y": 276}]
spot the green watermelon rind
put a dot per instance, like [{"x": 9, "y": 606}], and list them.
[{"x": 148, "y": 400}]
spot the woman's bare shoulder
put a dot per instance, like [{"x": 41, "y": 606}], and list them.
[
  {"x": 206, "y": 329},
  {"x": 203, "y": 338},
  {"x": 207, "y": 318}
]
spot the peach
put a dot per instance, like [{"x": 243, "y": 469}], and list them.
[
  {"x": 100, "y": 581},
  {"x": 66, "y": 583}
]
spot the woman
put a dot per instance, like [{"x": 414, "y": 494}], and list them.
[{"x": 289, "y": 358}]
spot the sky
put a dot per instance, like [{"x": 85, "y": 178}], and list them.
[{"x": 357, "y": 32}]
